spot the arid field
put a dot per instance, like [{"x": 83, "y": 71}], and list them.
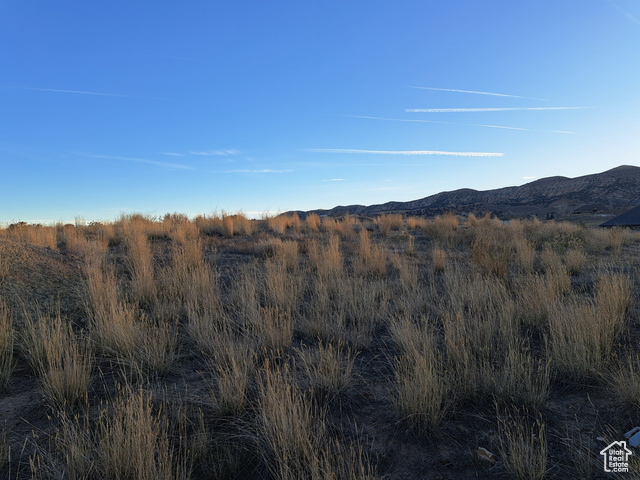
[{"x": 323, "y": 348}]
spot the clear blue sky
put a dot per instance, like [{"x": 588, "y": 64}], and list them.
[{"x": 118, "y": 106}]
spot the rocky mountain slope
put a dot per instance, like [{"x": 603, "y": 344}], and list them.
[{"x": 603, "y": 194}]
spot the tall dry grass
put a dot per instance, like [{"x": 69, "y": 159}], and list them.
[
  {"x": 422, "y": 396},
  {"x": 326, "y": 260},
  {"x": 328, "y": 369},
  {"x": 140, "y": 263},
  {"x": 372, "y": 257},
  {"x": 7, "y": 336},
  {"x": 232, "y": 365},
  {"x": 132, "y": 440},
  {"x": 312, "y": 222},
  {"x": 388, "y": 222},
  {"x": 523, "y": 446},
  {"x": 62, "y": 360}
]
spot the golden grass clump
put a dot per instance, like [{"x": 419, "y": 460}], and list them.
[
  {"x": 133, "y": 440},
  {"x": 140, "y": 263},
  {"x": 327, "y": 261},
  {"x": 422, "y": 393},
  {"x": 580, "y": 343},
  {"x": 491, "y": 252},
  {"x": 288, "y": 427},
  {"x": 388, "y": 222},
  {"x": 227, "y": 225},
  {"x": 523, "y": 446},
  {"x": 280, "y": 223},
  {"x": 626, "y": 382},
  {"x": 525, "y": 254},
  {"x": 327, "y": 368},
  {"x": 61, "y": 359},
  {"x": 373, "y": 258},
  {"x": 416, "y": 222},
  {"x": 439, "y": 257},
  {"x": 312, "y": 222},
  {"x": 232, "y": 364},
  {"x": 574, "y": 260},
  {"x": 613, "y": 297},
  {"x": 443, "y": 228}
]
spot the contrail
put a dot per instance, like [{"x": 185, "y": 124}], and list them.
[
  {"x": 456, "y": 123},
  {"x": 264, "y": 170},
  {"x": 477, "y": 93},
  {"x": 405, "y": 152},
  {"x": 491, "y": 109},
  {"x": 82, "y": 92},
  {"x": 138, "y": 160}
]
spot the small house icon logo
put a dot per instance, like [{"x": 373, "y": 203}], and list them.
[{"x": 616, "y": 457}]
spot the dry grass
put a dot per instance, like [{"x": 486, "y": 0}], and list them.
[
  {"x": 7, "y": 363},
  {"x": 232, "y": 364},
  {"x": 388, "y": 222},
  {"x": 491, "y": 251},
  {"x": 62, "y": 360},
  {"x": 525, "y": 254},
  {"x": 523, "y": 447},
  {"x": 416, "y": 222},
  {"x": 373, "y": 258},
  {"x": 327, "y": 261},
  {"x": 580, "y": 344},
  {"x": 288, "y": 426},
  {"x": 327, "y": 368},
  {"x": 312, "y": 222},
  {"x": 140, "y": 263},
  {"x": 439, "y": 257},
  {"x": 266, "y": 345},
  {"x": 422, "y": 396},
  {"x": 133, "y": 440}
]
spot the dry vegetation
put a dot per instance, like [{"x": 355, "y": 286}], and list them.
[{"x": 339, "y": 348}]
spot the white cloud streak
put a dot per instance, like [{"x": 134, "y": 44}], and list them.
[
  {"x": 405, "y": 152},
  {"x": 628, "y": 15},
  {"x": 177, "y": 166},
  {"x": 82, "y": 92},
  {"x": 478, "y": 93},
  {"x": 456, "y": 123},
  {"x": 172, "y": 154},
  {"x": 334, "y": 180},
  {"x": 216, "y": 153},
  {"x": 263, "y": 170},
  {"x": 527, "y": 178},
  {"x": 485, "y": 109}
]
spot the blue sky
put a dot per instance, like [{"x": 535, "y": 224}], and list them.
[{"x": 195, "y": 107}]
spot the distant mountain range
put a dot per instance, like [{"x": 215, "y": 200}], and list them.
[{"x": 601, "y": 194}]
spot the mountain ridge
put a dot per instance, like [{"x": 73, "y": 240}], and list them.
[{"x": 607, "y": 193}]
